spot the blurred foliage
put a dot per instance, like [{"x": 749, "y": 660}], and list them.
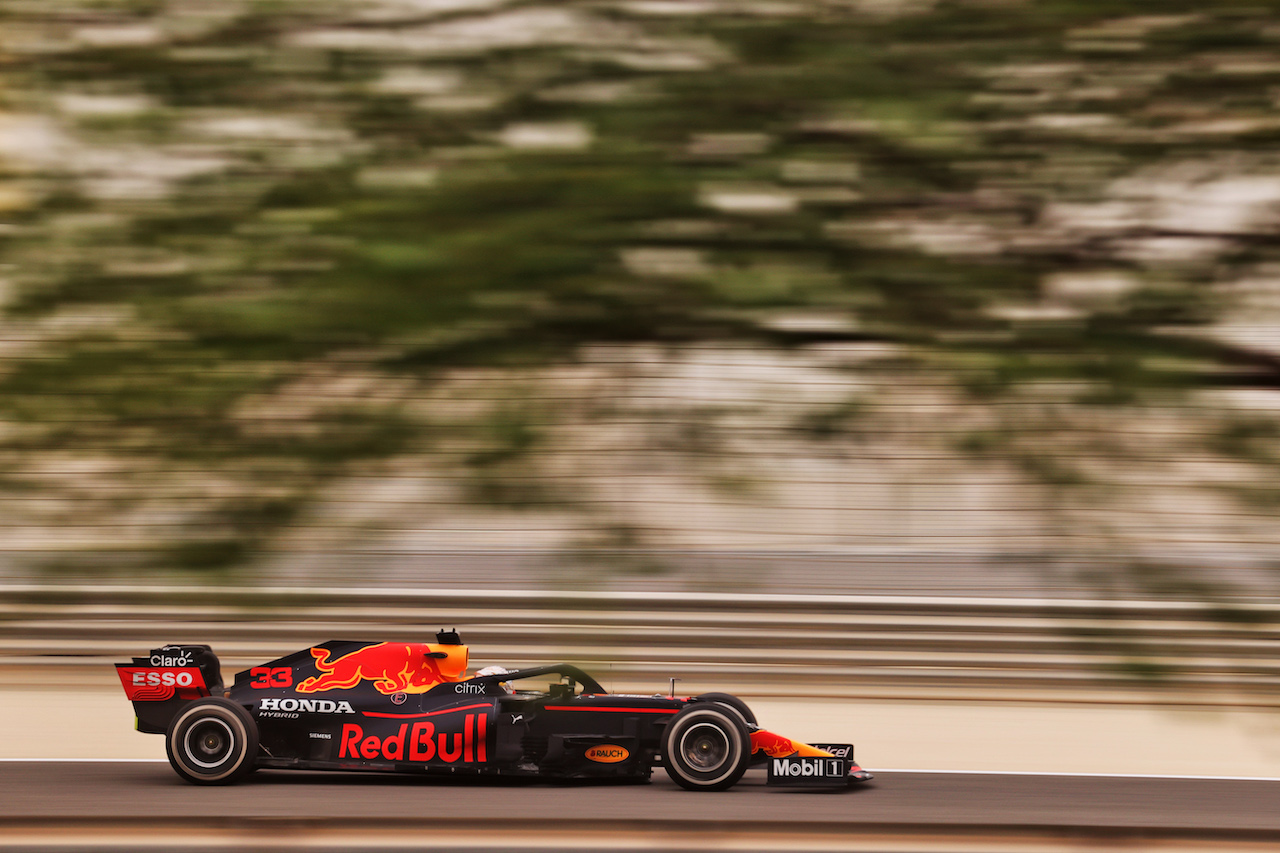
[{"x": 206, "y": 204}]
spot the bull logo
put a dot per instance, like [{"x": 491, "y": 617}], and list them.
[
  {"x": 777, "y": 746},
  {"x": 392, "y": 667}
]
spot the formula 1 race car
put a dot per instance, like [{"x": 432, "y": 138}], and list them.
[{"x": 410, "y": 707}]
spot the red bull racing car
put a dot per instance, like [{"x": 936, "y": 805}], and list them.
[{"x": 410, "y": 707}]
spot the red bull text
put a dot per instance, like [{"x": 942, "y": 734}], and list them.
[{"x": 419, "y": 742}]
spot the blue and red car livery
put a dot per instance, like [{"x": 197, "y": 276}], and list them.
[{"x": 411, "y": 707}]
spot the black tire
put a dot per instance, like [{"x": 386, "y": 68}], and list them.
[
  {"x": 706, "y": 747},
  {"x": 212, "y": 741},
  {"x": 733, "y": 702}
]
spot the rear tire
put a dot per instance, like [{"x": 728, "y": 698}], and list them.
[
  {"x": 706, "y": 748},
  {"x": 212, "y": 741}
]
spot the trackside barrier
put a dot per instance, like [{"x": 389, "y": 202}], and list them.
[{"x": 760, "y": 644}]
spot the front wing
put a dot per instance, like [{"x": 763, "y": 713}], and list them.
[{"x": 835, "y": 769}]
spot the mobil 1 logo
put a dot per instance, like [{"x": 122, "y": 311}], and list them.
[{"x": 807, "y": 770}]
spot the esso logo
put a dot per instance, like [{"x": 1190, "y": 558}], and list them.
[{"x": 167, "y": 678}]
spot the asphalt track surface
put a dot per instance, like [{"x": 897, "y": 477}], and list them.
[{"x": 62, "y": 793}]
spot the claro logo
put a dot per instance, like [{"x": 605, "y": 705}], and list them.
[
  {"x": 161, "y": 659},
  {"x": 607, "y": 754}
]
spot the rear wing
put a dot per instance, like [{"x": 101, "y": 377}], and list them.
[{"x": 161, "y": 682}]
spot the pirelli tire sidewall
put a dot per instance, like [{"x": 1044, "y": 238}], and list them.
[
  {"x": 212, "y": 741},
  {"x": 706, "y": 747}
]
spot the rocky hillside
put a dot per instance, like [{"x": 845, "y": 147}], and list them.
[{"x": 338, "y": 288}]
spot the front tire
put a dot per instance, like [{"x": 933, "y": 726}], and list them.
[
  {"x": 706, "y": 748},
  {"x": 733, "y": 702},
  {"x": 212, "y": 741}
]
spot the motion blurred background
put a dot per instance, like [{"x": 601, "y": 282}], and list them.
[{"x": 896, "y": 298}]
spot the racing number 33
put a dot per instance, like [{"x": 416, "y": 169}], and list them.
[{"x": 271, "y": 676}]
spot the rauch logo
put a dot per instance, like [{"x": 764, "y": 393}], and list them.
[{"x": 607, "y": 754}]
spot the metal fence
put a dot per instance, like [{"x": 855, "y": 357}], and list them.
[{"x": 941, "y": 647}]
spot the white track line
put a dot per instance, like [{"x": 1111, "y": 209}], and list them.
[
  {"x": 83, "y": 761},
  {"x": 1075, "y": 775},
  {"x": 876, "y": 770}
]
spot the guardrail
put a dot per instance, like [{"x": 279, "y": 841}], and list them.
[{"x": 753, "y": 644}]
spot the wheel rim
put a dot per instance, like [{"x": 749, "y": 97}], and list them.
[
  {"x": 704, "y": 747},
  {"x": 209, "y": 743}
]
